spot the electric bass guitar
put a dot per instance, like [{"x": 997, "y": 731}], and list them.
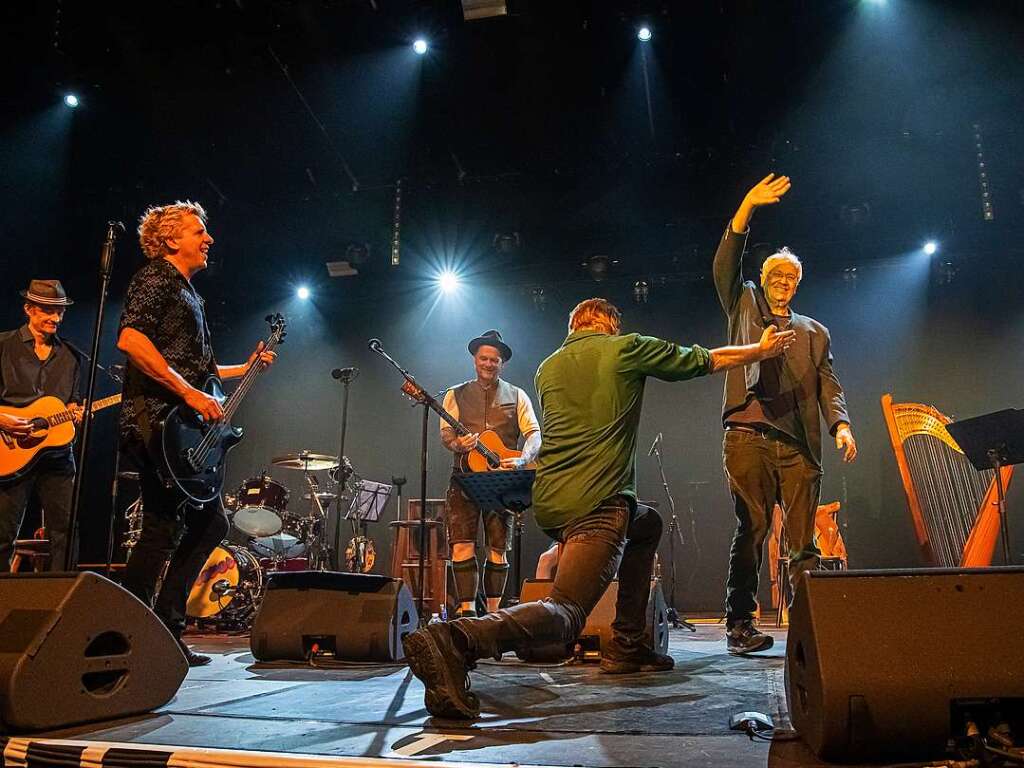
[
  {"x": 53, "y": 427},
  {"x": 489, "y": 451},
  {"x": 192, "y": 451}
]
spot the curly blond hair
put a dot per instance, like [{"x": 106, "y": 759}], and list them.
[
  {"x": 159, "y": 223},
  {"x": 596, "y": 314}
]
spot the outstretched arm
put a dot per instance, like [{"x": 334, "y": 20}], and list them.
[{"x": 773, "y": 343}]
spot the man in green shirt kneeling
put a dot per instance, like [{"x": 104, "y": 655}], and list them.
[{"x": 591, "y": 392}]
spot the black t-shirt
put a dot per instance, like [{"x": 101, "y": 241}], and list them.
[
  {"x": 163, "y": 306},
  {"x": 25, "y": 378},
  {"x": 773, "y": 404}
]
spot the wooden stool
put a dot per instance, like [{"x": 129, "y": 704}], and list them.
[{"x": 36, "y": 551}]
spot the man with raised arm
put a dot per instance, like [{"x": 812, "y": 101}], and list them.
[{"x": 772, "y": 444}]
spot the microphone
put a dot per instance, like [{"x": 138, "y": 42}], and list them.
[
  {"x": 345, "y": 374},
  {"x": 374, "y": 344},
  {"x": 107, "y": 252},
  {"x": 654, "y": 445},
  {"x": 222, "y": 587}
]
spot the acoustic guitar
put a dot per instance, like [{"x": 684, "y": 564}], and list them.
[
  {"x": 489, "y": 451},
  {"x": 53, "y": 427}
]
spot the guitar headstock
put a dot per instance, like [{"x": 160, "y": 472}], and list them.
[
  {"x": 278, "y": 327},
  {"x": 415, "y": 391}
]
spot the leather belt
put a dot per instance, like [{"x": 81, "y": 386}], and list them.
[{"x": 768, "y": 433}]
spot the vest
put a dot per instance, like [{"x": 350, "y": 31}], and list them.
[{"x": 495, "y": 408}]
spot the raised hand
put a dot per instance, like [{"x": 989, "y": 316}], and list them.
[{"x": 768, "y": 190}]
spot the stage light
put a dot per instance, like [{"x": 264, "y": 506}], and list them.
[
  {"x": 930, "y": 247},
  {"x": 302, "y": 292},
  {"x": 641, "y": 291},
  {"x": 71, "y": 100},
  {"x": 448, "y": 281},
  {"x": 420, "y": 46},
  {"x": 644, "y": 34}
]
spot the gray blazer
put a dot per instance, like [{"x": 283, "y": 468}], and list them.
[{"x": 803, "y": 379}]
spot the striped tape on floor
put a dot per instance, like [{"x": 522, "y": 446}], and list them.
[{"x": 68, "y": 753}]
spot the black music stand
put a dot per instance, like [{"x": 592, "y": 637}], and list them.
[
  {"x": 366, "y": 507},
  {"x": 511, "y": 490},
  {"x": 369, "y": 502},
  {"x": 993, "y": 441}
]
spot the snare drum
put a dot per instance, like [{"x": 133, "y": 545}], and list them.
[
  {"x": 261, "y": 504},
  {"x": 229, "y": 587}
]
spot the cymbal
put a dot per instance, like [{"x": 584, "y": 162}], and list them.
[{"x": 304, "y": 460}]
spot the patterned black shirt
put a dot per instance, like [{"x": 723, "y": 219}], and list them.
[
  {"x": 163, "y": 306},
  {"x": 24, "y": 378}
]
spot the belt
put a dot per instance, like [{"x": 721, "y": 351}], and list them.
[{"x": 768, "y": 433}]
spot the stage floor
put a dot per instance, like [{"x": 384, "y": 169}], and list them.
[{"x": 532, "y": 714}]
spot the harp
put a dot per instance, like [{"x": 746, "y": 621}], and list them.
[{"x": 954, "y": 507}]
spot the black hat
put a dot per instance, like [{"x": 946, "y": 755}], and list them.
[
  {"x": 49, "y": 293},
  {"x": 491, "y": 338}
]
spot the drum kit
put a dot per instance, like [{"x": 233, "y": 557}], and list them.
[{"x": 267, "y": 537}]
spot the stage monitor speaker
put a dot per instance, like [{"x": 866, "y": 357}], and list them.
[
  {"x": 597, "y": 633},
  {"x": 885, "y": 663},
  {"x": 351, "y": 616},
  {"x": 75, "y": 647}
]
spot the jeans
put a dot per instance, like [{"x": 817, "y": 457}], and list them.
[
  {"x": 763, "y": 471},
  {"x": 610, "y": 538},
  {"x": 173, "y": 529},
  {"x": 52, "y": 479}
]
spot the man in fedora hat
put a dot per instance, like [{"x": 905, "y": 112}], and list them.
[
  {"x": 486, "y": 402},
  {"x": 35, "y": 361}
]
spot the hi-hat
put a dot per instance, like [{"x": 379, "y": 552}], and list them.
[{"x": 304, "y": 460}]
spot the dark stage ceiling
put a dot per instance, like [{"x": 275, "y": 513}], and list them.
[{"x": 292, "y": 121}]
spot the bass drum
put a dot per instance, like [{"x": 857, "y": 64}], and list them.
[{"x": 229, "y": 588}]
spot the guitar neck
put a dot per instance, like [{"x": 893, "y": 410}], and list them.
[
  {"x": 247, "y": 380},
  {"x": 97, "y": 405}
]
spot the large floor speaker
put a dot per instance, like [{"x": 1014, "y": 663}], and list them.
[
  {"x": 885, "y": 663},
  {"x": 352, "y": 616},
  {"x": 598, "y": 631},
  {"x": 76, "y": 648}
]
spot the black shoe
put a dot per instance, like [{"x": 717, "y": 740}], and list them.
[
  {"x": 641, "y": 660},
  {"x": 193, "y": 659},
  {"x": 444, "y": 672},
  {"x": 743, "y": 637}
]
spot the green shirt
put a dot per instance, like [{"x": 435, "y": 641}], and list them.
[{"x": 591, "y": 390}]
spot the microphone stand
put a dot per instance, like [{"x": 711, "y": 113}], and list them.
[
  {"x": 345, "y": 376},
  {"x": 106, "y": 268},
  {"x": 116, "y": 373},
  {"x": 375, "y": 346},
  {"x": 673, "y": 531}
]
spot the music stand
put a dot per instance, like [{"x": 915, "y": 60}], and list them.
[
  {"x": 507, "y": 489},
  {"x": 366, "y": 507},
  {"x": 993, "y": 441},
  {"x": 369, "y": 502}
]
